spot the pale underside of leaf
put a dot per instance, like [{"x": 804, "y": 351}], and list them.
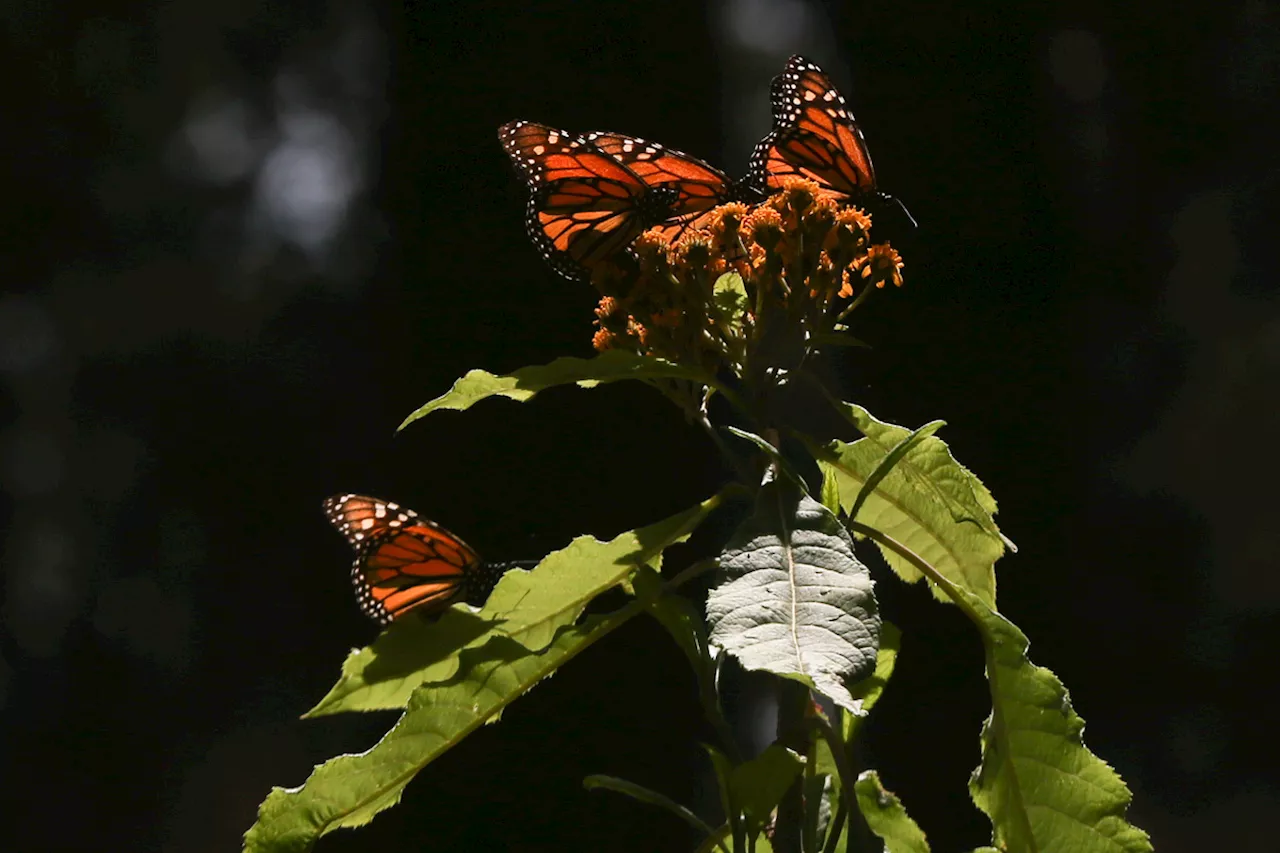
[{"x": 796, "y": 601}]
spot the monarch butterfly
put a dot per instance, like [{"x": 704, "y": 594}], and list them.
[
  {"x": 815, "y": 137},
  {"x": 699, "y": 186},
  {"x": 405, "y": 562},
  {"x": 584, "y": 205}
]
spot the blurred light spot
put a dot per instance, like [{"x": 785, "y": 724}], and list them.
[
  {"x": 771, "y": 26},
  {"x": 308, "y": 181},
  {"x": 27, "y": 337},
  {"x": 31, "y": 462},
  {"x": 1076, "y": 64},
  {"x": 153, "y": 624},
  {"x": 42, "y": 596},
  {"x": 220, "y": 139}
]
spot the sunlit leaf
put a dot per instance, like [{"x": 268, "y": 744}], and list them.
[
  {"x": 348, "y": 791},
  {"x": 927, "y": 501},
  {"x": 868, "y": 690},
  {"x": 795, "y": 600},
  {"x": 1042, "y": 788},
  {"x": 830, "y": 488},
  {"x": 758, "y": 785},
  {"x": 729, "y": 299},
  {"x": 528, "y": 607},
  {"x": 523, "y": 384},
  {"x": 887, "y": 818}
]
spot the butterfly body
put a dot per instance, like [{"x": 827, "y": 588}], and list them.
[{"x": 405, "y": 562}]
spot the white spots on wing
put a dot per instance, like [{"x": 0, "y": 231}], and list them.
[
  {"x": 358, "y": 536},
  {"x": 366, "y": 524},
  {"x": 538, "y": 149},
  {"x": 379, "y": 510}
]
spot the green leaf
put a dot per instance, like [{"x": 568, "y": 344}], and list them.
[
  {"x": 684, "y": 623},
  {"x": 891, "y": 459},
  {"x": 348, "y": 791},
  {"x": 820, "y": 789},
  {"x": 724, "y": 773},
  {"x": 927, "y": 501},
  {"x": 729, "y": 297},
  {"x": 795, "y": 601},
  {"x": 830, "y": 488},
  {"x": 1044, "y": 790},
  {"x": 868, "y": 690},
  {"x": 523, "y": 384},
  {"x": 887, "y": 818},
  {"x": 528, "y": 607},
  {"x": 758, "y": 785},
  {"x": 648, "y": 796}
]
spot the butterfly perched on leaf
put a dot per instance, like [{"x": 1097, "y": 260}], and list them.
[
  {"x": 814, "y": 136},
  {"x": 584, "y": 205},
  {"x": 405, "y": 562},
  {"x": 699, "y": 186}
]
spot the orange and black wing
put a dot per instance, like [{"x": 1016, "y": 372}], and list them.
[
  {"x": 698, "y": 185},
  {"x": 814, "y": 136},
  {"x": 584, "y": 205},
  {"x": 405, "y": 562},
  {"x": 360, "y": 518}
]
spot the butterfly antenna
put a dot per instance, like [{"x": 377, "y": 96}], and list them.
[
  {"x": 886, "y": 197},
  {"x": 518, "y": 564}
]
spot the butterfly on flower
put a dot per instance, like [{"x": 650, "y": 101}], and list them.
[
  {"x": 405, "y": 562},
  {"x": 699, "y": 186},
  {"x": 584, "y": 205},
  {"x": 814, "y": 136}
]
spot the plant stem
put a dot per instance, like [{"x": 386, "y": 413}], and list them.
[
  {"x": 849, "y": 801},
  {"x": 793, "y": 707}
]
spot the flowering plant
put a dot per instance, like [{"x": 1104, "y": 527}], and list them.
[{"x": 737, "y": 310}]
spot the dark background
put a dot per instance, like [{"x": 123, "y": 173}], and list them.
[{"x": 243, "y": 239}]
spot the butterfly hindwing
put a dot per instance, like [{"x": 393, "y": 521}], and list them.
[{"x": 405, "y": 562}]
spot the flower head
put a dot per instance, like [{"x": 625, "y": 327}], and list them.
[{"x": 881, "y": 263}]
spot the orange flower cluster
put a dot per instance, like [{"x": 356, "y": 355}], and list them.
[{"x": 789, "y": 264}]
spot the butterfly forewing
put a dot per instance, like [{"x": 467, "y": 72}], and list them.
[{"x": 358, "y": 517}]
